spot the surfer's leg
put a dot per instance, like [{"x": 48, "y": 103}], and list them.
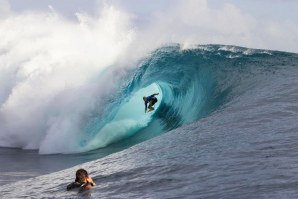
[{"x": 150, "y": 106}]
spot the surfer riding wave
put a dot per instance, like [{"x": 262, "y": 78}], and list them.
[{"x": 151, "y": 100}]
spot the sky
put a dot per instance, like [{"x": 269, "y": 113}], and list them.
[
  {"x": 275, "y": 9},
  {"x": 270, "y": 24}
]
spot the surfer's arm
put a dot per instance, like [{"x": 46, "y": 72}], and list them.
[
  {"x": 155, "y": 94},
  {"x": 145, "y": 107}
]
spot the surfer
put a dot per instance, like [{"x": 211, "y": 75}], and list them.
[
  {"x": 83, "y": 181},
  {"x": 151, "y": 100}
]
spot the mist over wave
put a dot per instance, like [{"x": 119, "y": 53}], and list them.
[{"x": 52, "y": 75}]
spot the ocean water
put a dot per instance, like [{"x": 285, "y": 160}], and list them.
[{"x": 225, "y": 126}]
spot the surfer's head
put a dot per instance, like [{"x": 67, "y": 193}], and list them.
[{"x": 144, "y": 98}]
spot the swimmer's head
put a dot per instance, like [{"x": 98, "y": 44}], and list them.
[{"x": 81, "y": 175}]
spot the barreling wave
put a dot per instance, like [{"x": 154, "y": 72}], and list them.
[{"x": 192, "y": 84}]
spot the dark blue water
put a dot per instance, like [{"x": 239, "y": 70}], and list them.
[{"x": 225, "y": 127}]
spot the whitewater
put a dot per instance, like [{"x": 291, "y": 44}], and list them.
[{"x": 225, "y": 124}]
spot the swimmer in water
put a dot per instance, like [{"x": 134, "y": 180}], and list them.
[{"x": 83, "y": 181}]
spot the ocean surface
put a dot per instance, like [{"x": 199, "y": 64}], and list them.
[{"x": 225, "y": 126}]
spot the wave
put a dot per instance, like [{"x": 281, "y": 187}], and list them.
[{"x": 192, "y": 84}]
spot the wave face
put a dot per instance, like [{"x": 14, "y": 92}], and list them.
[{"x": 192, "y": 84}]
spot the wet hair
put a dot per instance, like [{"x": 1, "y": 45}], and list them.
[{"x": 81, "y": 174}]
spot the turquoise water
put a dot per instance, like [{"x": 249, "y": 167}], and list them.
[{"x": 225, "y": 126}]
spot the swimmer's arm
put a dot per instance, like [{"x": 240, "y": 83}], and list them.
[
  {"x": 86, "y": 186},
  {"x": 73, "y": 185},
  {"x": 69, "y": 187}
]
